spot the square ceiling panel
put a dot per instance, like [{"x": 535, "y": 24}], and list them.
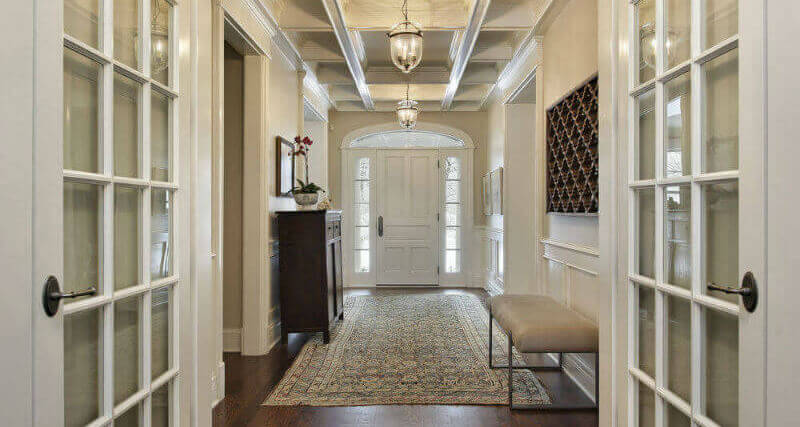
[
  {"x": 435, "y": 51},
  {"x": 383, "y": 14}
]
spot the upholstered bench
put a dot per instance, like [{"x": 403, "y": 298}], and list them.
[{"x": 540, "y": 324}]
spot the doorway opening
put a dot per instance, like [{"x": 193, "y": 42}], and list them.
[{"x": 408, "y": 195}]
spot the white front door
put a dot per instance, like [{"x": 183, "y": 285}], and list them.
[
  {"x": 103, "y": 194},
  {"x": 407, "y": 225},
  {"x": 696, "y": 218}
]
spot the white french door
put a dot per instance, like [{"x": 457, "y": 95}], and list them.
[
  {"x": 105, "y": 189},
  {"x": 407, "y": 224},
  {"x": 696, "y": 199}
]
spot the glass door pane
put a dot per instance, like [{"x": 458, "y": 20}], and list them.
[
  {"x": 83, "y": 362},
  {"x": 126, "y": 126},
  {"x": 684, "y": 203},
  {"x": 126, "y": 348},
  {"x": 81, "y": 112},
  {"x": 83, "y": 239}
]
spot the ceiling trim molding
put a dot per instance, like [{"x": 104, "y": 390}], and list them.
[
  {"x": 311, "y": 83},
  {"x": 464, "y": 51},
  {"x": 263, "y": 16},
  {"x": 336, "y": 17},
  {"x": 516, "y": 68},
  {"x": 286, "y": 48},
  {"x": 512, "y": 96}
]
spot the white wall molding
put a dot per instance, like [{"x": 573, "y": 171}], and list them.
[
  {"x": 583, "y": 258},
  {"x": 588, "y": 250},
  {"x": 232, "y": 340}
]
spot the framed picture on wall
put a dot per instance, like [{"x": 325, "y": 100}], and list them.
[
  {"x": 497, "y": 191},
  {"x": 284, "y": 170},
  {"x": 486, "y": 195}
]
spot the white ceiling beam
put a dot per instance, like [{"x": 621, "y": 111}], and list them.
[
  {"x": 464, "y": 51},
  {"x": 336, "y": 17}
]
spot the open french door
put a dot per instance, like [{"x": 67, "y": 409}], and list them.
[
  {"x": 697, "y": 195},
  {"x": 103, "y": 192}
]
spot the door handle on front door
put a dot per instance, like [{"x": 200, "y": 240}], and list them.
[
  {"x": 380, "y": 226},
  {"x": 52, "y": 295},
  {"x": 748, "y": 291}
]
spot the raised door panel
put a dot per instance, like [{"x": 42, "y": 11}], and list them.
[{"x": 407, "y": 203}]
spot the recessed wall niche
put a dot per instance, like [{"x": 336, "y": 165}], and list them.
[{"x": 572, "y": 162}]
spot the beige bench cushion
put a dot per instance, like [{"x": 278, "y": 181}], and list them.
[{"x": 540, "y": 324}]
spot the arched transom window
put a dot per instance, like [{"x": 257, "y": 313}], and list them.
[{"x": 407, "y": 139}]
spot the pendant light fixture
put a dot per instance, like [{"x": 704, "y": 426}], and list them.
[
  {"x": 407, "y": 112},
  {"x": 405, "y": 43}
]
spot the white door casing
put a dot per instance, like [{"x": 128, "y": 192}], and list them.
[{"x": 407, "y": 208}]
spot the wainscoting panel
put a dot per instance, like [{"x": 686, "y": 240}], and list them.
[{"x": 570, "y": 275}]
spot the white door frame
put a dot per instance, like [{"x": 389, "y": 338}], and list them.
[{"x": 354, "y": 279}]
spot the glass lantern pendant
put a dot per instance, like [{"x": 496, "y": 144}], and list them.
[
  {"x": 405, "y": 43},
  {"x": 407, "y": 112}
]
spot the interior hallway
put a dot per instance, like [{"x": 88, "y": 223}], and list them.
[{"x": 250, "y": 379}]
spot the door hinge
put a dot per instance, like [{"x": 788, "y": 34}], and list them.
[
  {"x": 437, "y": 164},
  {"x": 437, "y": 217},
  {"x": 437, "y": 270}
]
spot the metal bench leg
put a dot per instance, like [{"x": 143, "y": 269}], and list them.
[
  {"x": 510, "y": 373},
  {"x": 491, "y": 360},
  {"x": 586, "y": 406}
]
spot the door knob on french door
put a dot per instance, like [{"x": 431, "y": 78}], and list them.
[
  {"x": 52, "y": 295},
  {"x": 380, "y": 226},
  {"x": 748, "y": 291}
]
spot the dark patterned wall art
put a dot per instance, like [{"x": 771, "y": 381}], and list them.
[{"x": 572, "y": 162}]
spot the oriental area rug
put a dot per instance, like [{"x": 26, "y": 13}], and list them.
[{"x": 406, "y": 350}]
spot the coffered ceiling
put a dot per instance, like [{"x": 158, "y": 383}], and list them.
[{"x": 468, "y": 43}]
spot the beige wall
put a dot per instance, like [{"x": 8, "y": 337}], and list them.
[
  {"x": 232, "y": 241},
  {"x": 570, "y": 58},
  {"x": 495, "y": 149},
  {"x": 317, "y": 130},
  {"x": 284, "y": 120},
  {"x": 475, "y": 124}
]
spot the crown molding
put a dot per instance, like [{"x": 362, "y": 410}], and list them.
[{"x": 519, "y": 68}]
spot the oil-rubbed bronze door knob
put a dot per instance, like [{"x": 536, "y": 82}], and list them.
[
  {"x": 52, "y": 295},
  {"x": 748, "y": 291}
]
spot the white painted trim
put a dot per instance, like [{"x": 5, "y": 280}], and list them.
[
  {"x": 336, "y": 17},
  {"x": 392, "y": 126},
  {"x": 588, "y": 250},
  {"x": 232, "y": 340},
  {"x": 464, "y": 50}
]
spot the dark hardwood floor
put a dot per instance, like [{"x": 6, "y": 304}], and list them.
[{"x": 248, "y": 380}]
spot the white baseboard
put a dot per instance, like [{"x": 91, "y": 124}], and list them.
[{"x": 232, "y": 340}]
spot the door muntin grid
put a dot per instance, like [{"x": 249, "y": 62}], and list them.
[
  {"x": 684, "y": 220},
  {"x": 452, "y": 170},
  {"x": 121, "y": 352}
]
